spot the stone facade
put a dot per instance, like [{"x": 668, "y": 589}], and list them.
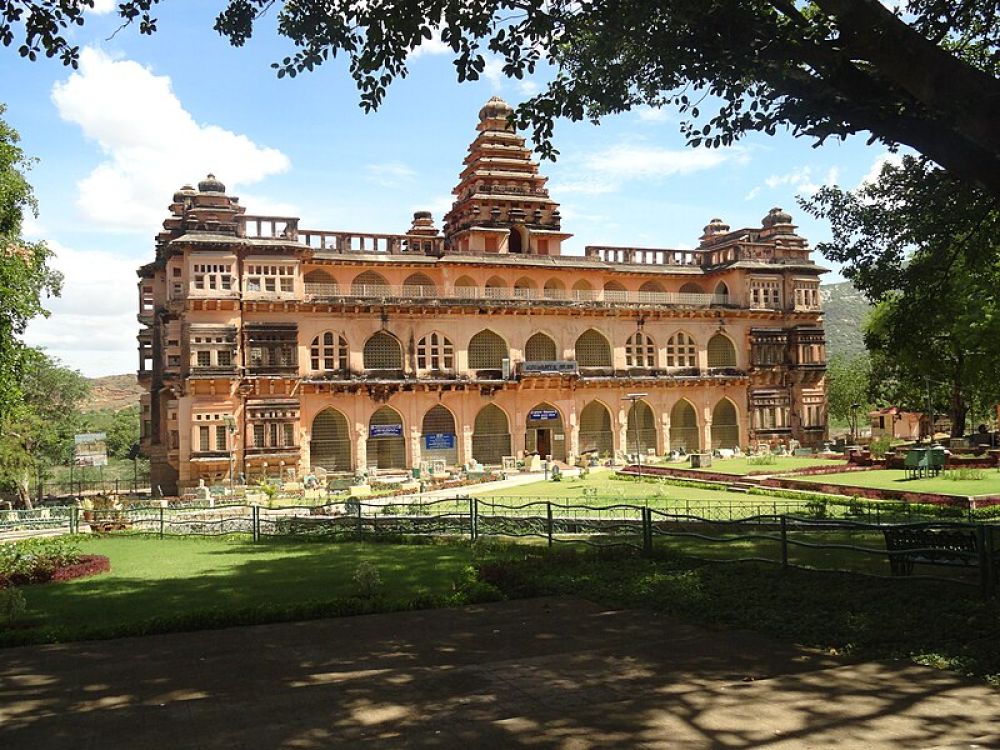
[{"x": 271, "y": 348}]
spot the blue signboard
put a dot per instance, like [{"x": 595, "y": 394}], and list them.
[
  {"x": 385, "y": 430},
  {"x": 439, "y": 441},
  {"x": 543, "y": 415}
]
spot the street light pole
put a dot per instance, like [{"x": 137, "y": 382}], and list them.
[
  {"x": 634, "y": 397},
  {"x": 854, "y": 423}
]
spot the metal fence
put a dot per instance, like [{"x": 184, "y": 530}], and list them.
[
  {"x": 790, "y": 541},
  {"x": 49, "y": 491}
]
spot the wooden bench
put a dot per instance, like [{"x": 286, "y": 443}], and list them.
[{"x": 910, "y": 545}]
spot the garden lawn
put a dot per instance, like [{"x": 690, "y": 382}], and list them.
[
  {"x": 743, "y": 465},
  {"x": 188, "y": 584},
  {"x": 895, "y": 479}
]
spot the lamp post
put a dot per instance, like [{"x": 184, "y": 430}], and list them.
[
  {"x": 633, "y": 398},
  {"x": 854, "y": 423},
  {"x": 230, "y": 422}
]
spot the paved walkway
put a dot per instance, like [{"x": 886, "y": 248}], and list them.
[{"x": 543, "y": 673}]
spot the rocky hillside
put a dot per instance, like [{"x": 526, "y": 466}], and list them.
[
  {"x": 112, "y": 392},
  {"x": 845, "y": 310}
]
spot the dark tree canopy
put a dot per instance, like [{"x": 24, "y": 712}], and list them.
[
  {"x": 924, "y": 75},
  {"x": 925, "y": 247}
]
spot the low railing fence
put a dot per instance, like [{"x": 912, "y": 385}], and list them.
[
  {"x": 47, "y": 491},
  {"x": 787, "y": 540}
]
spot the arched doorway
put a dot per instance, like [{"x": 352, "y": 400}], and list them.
[
  {"x": 515, "y": 243},
  {"x": 684, "y": 427},
  {"x": 595, "y": 430},
  {"x": 491, "y": 436},
  {"x": 725, "y": 425},
  {"x": 641, "y": 428},
  {"x": 438, "y": 440},
  {"x": 386, "y": 443},
  {"x": 544, "y": 432},
  {"x": 330, "y": 441}
]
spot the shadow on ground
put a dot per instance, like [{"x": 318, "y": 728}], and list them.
[{"x": 543, "y": 673}]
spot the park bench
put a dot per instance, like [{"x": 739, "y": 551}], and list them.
[
  {"x": 920, "y": 462},
  {"x": 910, "y": 545}
]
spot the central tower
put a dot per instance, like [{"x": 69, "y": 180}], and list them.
[{"x": 501, "y": 203}]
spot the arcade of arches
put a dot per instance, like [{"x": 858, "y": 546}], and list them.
[{"x": 449, "y": 430}]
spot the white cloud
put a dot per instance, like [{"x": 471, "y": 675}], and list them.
[
  {"x": 493, "y": 72},
  {"x": 104, "y": 6},
  {"x": 92, "y": 327},
  {"x": 151, "y": 143},
  {"x": 651, "y": 114},
  {"x": 605, "y": 171},
  {"x": 876, "y": 168},
  {"x": 802, "y": 180},
  {"x": 390, "y": 174},
  {"x": 432, "y": 46},
  {"x": 528, "y": 87}
]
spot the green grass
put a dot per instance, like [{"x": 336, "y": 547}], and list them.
[
  {"x": 176, "y": 584},
  {"x": 895, "y": 479},
  {"x": 743, "y": 465}
]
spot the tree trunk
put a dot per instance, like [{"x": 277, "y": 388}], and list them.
[
  {"x": 24, "y": 493},
  {"x": 958, "y": 412}
]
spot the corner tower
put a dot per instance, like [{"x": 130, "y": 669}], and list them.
[{"x": 502, "y": 205}]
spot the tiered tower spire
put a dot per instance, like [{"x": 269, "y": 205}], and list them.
[{"x": 502, "y": 204}]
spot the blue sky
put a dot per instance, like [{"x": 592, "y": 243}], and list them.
[{"x": 144, "y": 115}]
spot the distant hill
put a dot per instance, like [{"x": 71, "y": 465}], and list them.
[
  {"x": 112, "y": 392},
  {"x": 844, "y": 313}
]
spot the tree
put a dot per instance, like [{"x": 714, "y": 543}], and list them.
[
  {"x": 848, "y": 382},
  {"x": 924, "y": 75},
  {"x": 24, "y": 273},
  {"x": 923, "y": 246},
  {"x": 39, "y": 431}
]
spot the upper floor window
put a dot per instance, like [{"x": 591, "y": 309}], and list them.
[
  {"x": 721, "y": 352},
  {"x": 212, "y": 277},
  {"x": 435, "y": 352},
  {"x": 681, "y": 351},
  {"x": 807, "y": 296},
  {"x": 765, "y": 294},
  {"x": 328, "y": 352},
  {"x": 383, "y": 352},
  {"x": 593, "y": 350},
  {"x": 270, "y": 278},
  {"x": 640, "y": 351},
  {"x": 486, "y": 351}
]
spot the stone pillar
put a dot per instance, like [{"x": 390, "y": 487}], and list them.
[
  {"x": 706, "y": 439},
  {"x": 361, "y": 451},
  {"x": 414, "y": 447},
  {"x": 665, "y": 432},
  {"x": 466, "y": 455},
  {"x": 624, "y": 446}
]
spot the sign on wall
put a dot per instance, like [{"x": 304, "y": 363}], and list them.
[
  {"x": 439, "y": 441},
  {"x": 90, "y": 449},
  {"x": 385, "y": 430},
  {"x": 543, "y": 415}
]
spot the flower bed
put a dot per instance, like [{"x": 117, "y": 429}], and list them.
[{"x": 42, "y": 560}]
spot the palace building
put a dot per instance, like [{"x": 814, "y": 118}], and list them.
[{"x": 266, "y": 348}]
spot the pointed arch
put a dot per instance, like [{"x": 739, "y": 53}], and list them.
[
  {"x": 525, "y": 288},
  {"x": 614, "y": 292},
  {"x": 438, "y": 437},
  {"x": 496, "y": 288},
  {"x": 328, "y": 352},
  {"x": 491, "y": 435},
  {"x": 319, "y": 281},
  {"x": 593, "y": 350},
  {"x": 487, "y": 350},
  {"x": 370, "y": 284},
  {"x": 435, "y": 353},
  {"x": 382, "y": 352},
  {"x": 641, "y": 428},
  {"x": 554, "y": 289},
  {"x": 725, "y": 425},
  {"x": 721, "y": 290},
  {"x": 640, "y": 351},
  {"x": 692, "y": 288},
  {"x": 465, "y": 283},
  {"x": 516, "y": 243},
  {"x": 681, "y": 351},
  {"x": 544, "y": 433},
  {"x": 684, "y": 432},
  {"x": 583, "y": 291},
  {"x": 652, "y": 287},
  {"x": 540, "y": 348},
  {"x": 595, "y": 429},
  {"x": 330, "y": 444},
  {"x": 721, "y": 351},
  {"x": 419, "y": 285},
  {"x": 386, "y": 443}
]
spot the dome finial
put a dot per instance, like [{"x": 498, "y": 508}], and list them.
[
  {"x": 495, "y": 108},
  {"x": 211, "y": 185}
]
